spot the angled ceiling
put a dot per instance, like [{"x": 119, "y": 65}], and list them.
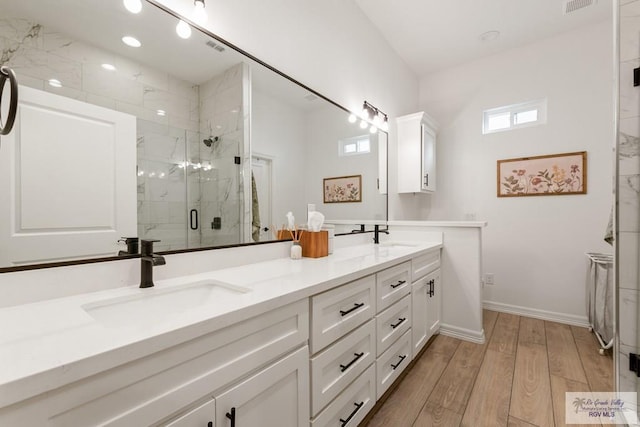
[{"x": 430, "y": 35}]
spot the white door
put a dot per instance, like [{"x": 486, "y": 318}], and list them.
[
  {"x": 434, "y": 303},
  {"x": 261, "y": 168},
  {"x": 48, "y": 213},
  {"x": 276, "y": 396},
  {"x": 419, "y": 320}
]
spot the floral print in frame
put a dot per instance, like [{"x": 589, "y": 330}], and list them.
[
  {"x": 555, "y": 174},
  {"x": 342, "y": 189}
]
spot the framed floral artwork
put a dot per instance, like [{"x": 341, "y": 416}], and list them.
[
  {"x": 551, "y": 175},
  {"x": 342, "y": 189}
]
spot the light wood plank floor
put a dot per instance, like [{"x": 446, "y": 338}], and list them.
[{"x": 517, "y": 378}]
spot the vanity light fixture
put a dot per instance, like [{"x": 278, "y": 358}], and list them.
[
  {"x": 183, "y": 30},
  {"x": 199, "y": 14},
  {"x": 133, "y": 6},
  {"x": 131, "y": 41},
  {"x": 373, "y": 116},
  {"x": 55, "y": 83}
]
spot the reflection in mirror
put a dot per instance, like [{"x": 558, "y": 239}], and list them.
[{"x": 186, "y": 141}]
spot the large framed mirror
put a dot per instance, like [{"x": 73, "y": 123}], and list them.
[{"x": 187, "y": 140}]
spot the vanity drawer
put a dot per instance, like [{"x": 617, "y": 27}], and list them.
[
  {"x": 352, "y": 405},
  {"x": 392, "y": 323},
  {"x": 392, "y": 284},
  {"x": 392, "y": 363},
  {"x": 340, "y": 310},
  {"x": 334, "y": 368},
  {"x": 424, "y": 264},
  {"x": 150, "y": 389}
]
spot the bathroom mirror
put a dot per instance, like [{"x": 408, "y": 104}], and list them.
[{"x": 185, "y": 140}]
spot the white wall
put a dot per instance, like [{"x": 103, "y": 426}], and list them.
[
  {"x": 278, "y": 131},
  {"x": 326, "y": 127},
  {"x": 329, "y": 46},
  {"x": 535, "y": 246}
]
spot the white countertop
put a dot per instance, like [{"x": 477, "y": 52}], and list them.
[
  {"x": 48, "y": 344},
  {"x": 476, "y": 224}
]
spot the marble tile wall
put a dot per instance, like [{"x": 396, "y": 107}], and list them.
[
  {"x": 220, "y": 181},
  {"x": 628, "y": 224}
]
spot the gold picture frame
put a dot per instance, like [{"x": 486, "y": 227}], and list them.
[
  {"x": 550, "y": 175},
  {"x": 342, "y": 189}
]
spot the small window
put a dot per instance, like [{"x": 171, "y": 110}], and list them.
[
  {"x": 355, "y": 145},
  {"x": 514, "y": 116}
]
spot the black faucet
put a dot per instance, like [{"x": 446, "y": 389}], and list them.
[
  {"x": 376, "y": 233},
  {"x": 147, "y": 261},
  {"x": 132, "y": 246}
]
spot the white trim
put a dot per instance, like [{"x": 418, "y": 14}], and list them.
[
  {"x": 462, "y": 333},
  {"x": 569, "y": 319}
]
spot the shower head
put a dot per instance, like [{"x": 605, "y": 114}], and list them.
[{"x": 209, "y": 141}]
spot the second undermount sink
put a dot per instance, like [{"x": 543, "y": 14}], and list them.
[
  {"x": 393, "y": 244},
  {"x": 155, "y": 305}
]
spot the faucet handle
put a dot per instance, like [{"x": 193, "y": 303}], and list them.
[{"x": 147, "y": 246}]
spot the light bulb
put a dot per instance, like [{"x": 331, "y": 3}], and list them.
[
  {"x": 377, "y": 120},
  {"x": 131, "y": 41},
  {"x": 363, "y": 124},
  {"x": 183, "y": 30},
  {"x": 199, "y": 14},
  {"x": 385, "y": 124},
  {"x": 108, "y": 67},
  {"x": 365, "y": 113},
  {"x": 352, "y": 118},
  {"x": 133, "y": 6},
  {"x": 55, "y": 83},
  {"x": 373, "y": 129}
]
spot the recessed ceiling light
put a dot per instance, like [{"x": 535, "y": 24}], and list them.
[
  {"x": 133, "y": 6},
  {"x": 489, "y": 35},
  {"x": 131, "y": 41},
  {"x": 183, "y": 30},
  {"x": 109, "y": 67},
  {"x": 55, "y": 83}
]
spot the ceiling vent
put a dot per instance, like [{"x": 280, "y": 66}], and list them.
[
  {"x": 569, "y": 6},
  {"x": 216, "y": 46}
]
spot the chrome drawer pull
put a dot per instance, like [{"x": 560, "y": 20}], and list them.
[
  {"x": 355, "y": 411},
  {"x": 400, "y": 283},
  {"x": 400, "y": 320},
  {"x": 348, "y": 365},
  {"x": 399, "y": 362},
  {"x": 355, "y": 307}
]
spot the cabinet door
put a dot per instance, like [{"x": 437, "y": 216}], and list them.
[
  {"x": 202, "y": 416},
  {"x": 434, "y": 304},
  {"x": 419, "y": 300},
  {"x": 428, "y": 158},
  {"x": 276, "y": 396}
]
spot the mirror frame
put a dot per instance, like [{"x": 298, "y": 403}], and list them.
[{"x": 208, "y": 33}]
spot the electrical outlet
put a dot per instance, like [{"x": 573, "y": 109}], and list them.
[{"x": 488, "y": 279}]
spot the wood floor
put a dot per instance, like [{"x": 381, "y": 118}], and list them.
[{"x": 517, "y": 378}]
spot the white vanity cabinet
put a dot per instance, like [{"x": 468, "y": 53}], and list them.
[
  {"x": 275, "y": 396},
  {"x": 416, "y": 153},
  {"x": 171, "y": 385},
  {"x": 426, "y": 299}
]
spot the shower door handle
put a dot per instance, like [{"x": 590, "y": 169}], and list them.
[
  {"x": 193, "y": 219},
  {"x": 7, "y": 73}
]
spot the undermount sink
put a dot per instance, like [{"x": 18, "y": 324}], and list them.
[
  {"x": 398, "y": 244},
  {"x": 155, "y": 305}
]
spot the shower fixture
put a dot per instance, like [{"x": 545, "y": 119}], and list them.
[{"x": 209, "y": 141}]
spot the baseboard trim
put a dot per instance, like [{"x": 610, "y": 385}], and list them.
[
  {"x": 569, "y": 319},
  {"x": 462, "y": 333}
]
